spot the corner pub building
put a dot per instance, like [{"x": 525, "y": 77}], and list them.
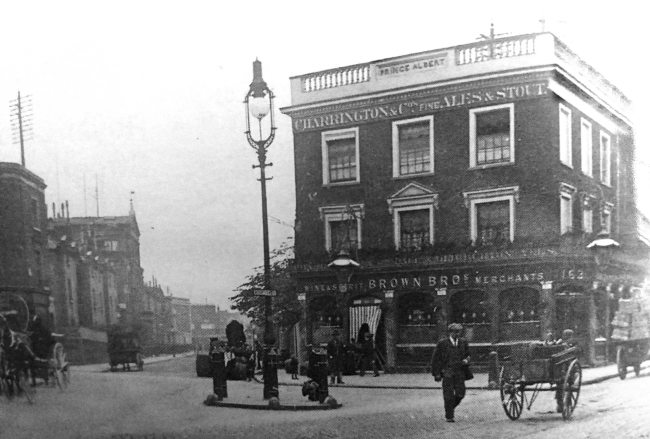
[{"x": 466, "y": 183}]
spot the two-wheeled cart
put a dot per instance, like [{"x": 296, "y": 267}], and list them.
[
  {"x": 631, "y": 331},
  {"x": 124, "y": 348},
  {"x": 532, "y": 368}
]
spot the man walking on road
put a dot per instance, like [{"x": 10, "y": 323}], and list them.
[{"x": 450, "y": 363}]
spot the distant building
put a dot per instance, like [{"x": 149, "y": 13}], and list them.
[
  {"x": 181, "y": 324},
  {"x": 23, "y": 244},
  {"x": 210, "y": 321}
]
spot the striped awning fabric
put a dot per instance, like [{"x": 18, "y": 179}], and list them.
[{"x": 364, "y": 314}]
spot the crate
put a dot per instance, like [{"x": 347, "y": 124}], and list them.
[{"x": 536, "y": 370}]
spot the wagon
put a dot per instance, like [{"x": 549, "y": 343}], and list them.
[
  {"x": 631, "y": 331},
  {"x": 124, "y": 349},
  {"x": 631, "y": 353},
  {"x": 532, "y": 368}
]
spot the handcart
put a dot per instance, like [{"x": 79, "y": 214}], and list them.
[
  {"x": 631, "y": 332},
  {"x": 532, "y": 368}
]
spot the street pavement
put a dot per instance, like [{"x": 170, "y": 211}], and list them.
[{"x": 249, "y": 396}]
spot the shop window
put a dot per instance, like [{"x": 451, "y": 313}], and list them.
[
  {"x": 519, "y": 314},
  {"x": 413, "y": 146},
  {"x": 492, "y": 135},
  {"x": 416, "y": 309},
  {"x": 565, "y": 136},
  {"x": 471, "y": 309},
  {"x": 586, "y": 150},
  {"x": 605, "y": 159},
  {"x": 492, "y": 215},
  {"x": 340, "y": 156},
  {"x": 325, "y": 312}
]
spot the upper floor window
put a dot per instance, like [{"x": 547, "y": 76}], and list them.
[
  {"x": 587, "y": 219},
  {"x": 605, "y": 158},
  {"x": 586, "y": 150},
  {"x": 412, "y": 208},
  {"x": 566, "y": 155},
  {"x": 566, "y": 208},
  {"x": 110, "y": 246},
  {"x": 340, "y": 156},
  {"x": 606, "y": 221},
  {"x": 492, "y": 214},
  {"x": 342, "y": 226},
  {"x": 492, "y": 132},
  {"x": 413, "y": 146}
]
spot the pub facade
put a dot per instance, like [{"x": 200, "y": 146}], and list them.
[{"x": 464, "y": 185}]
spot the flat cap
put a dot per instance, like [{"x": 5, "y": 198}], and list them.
[{"x": 455, "y": 327}]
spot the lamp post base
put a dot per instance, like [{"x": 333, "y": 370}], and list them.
[{"x": 270, "y": 373}]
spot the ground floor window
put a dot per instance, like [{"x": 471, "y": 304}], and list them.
[
  {"x": 417, "y": 318},
  {"x": 325, "y": 312},
  {"x": 470, "y": 308},
  {"x": 519, "y": 314}
]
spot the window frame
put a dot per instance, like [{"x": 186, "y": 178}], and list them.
[
  {"x": 565, "y": 149},
  {"x": 345, "y": 133},
  {"x": 566, "y": 217},
  {"x": 473, "y": 163},
  {"x": 586, "y": 148},
  {"x": 605, "y": 159},
  {"x": 396, "y": 147},
  {"x": 587, "y": 219},
  {"x": 606, "y": 219},
  {"x": 397, "y": 223},
  {"x": 472, "y": 198},
  {"x": 338, "y": 213}
]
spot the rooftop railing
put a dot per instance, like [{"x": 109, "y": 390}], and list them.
[
  {"x": 336, "y": 78},
  {"x": 498, "y": 49}
]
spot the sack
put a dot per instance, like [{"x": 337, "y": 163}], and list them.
[{"x": 467, "y": 372}]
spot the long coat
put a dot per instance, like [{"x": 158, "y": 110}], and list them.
[{"x": 441, "y": 359}]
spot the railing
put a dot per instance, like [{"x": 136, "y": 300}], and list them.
[
  {"x": 336, "y": 78},
  {"x": 497, "y": 49}
]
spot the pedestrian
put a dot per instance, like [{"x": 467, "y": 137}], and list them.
[
  {"x": 291, "y": 366},
  {"x": 450, "y": 364},
  {"x": 335, "y": 356},
  {"x": 368, "y": 356}
]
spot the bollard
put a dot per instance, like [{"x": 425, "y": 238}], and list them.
[
  {"x": 321, "y": 373},
  {"x": 493, "y": 370},
  {"x": 218, "y": 360},
  {"x": 270, "y": 372}
]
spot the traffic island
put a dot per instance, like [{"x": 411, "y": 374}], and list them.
[{"x": 330, "y": 403}]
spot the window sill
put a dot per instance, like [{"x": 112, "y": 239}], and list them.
[
  {"x": 342, "y": 183},
  {"x": 493, "y": 165},
  {"x": 405, "y": 177}
]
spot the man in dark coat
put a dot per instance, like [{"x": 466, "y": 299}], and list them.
[
  {"x": 368, "y": 355},
  {"x": 335, "y": 356},
  {"x": 449, "y": 363}
]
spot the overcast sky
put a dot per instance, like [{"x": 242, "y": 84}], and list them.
[{"x": 146, "y": 96}]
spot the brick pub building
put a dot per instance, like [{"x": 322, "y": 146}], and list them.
[{"x": 466, "y": 182}]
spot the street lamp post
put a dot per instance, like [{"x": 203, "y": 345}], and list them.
[{"x": 259, "y": 104}]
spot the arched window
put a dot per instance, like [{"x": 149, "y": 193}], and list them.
[
  {"x": 471, "y": 309},
  {"x": 519, "y": 314},
  {"x": 325, "y": 312}
]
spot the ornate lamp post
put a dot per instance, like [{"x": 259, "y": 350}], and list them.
[
  {"x": 259, "y": 104},
  {"x": 603, "y": 247}
]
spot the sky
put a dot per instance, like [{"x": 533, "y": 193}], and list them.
[{"x": 147, "y": 97}]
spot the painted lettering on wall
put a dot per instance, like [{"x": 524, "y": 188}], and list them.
[
  {"x": 418, "y": 65},
  {"x": 466, "y": 279},
  {"x": 388, "y": 111}
]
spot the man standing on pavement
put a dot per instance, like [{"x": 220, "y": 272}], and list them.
[
  {"x": 450, "y": 363},
  {"x": 335, "y": 355},
  {"x": 368, "y": 355}
]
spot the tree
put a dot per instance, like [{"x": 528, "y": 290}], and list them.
[{"x": 285, "y": 305}]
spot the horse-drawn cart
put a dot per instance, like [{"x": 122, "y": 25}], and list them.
[
  {"x": 124, "y": 348},
  {"x": 535, "y": 368}
]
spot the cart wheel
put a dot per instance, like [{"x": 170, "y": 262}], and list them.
[
  {"x": 60, "y": 381},
  {"x": 65, "y": 373},
  {"x": 139, "y": 362},
  {"x": 571, "y": 389},
  {"x": 621, "y": 362},
  {"x": 637, "y": 369},
  {"x": 512, "y": 397},
  {"x": 25, "y": 388}
]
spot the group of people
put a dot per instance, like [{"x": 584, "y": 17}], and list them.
[{"x": 360, "y": 355}]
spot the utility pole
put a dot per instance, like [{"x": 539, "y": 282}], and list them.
[{"x": 21, "y": 122}]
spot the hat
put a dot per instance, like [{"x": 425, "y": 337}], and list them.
[{"x": 455, "y": 327}]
